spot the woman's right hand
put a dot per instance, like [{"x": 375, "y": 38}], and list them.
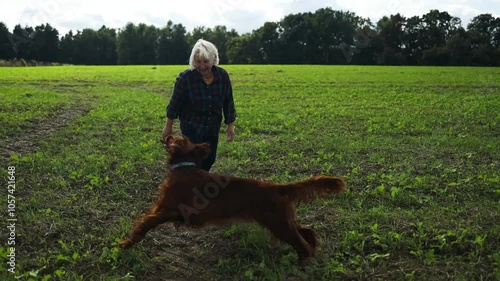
[{"x": 167, "y": 130}]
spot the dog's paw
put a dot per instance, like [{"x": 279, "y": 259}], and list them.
[{"x": 125, "y": 243}]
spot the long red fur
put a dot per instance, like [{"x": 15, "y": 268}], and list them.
[{"x": 193, "y": 197}]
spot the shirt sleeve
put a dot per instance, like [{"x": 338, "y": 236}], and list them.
[
  {"x": 176, "y": 103},
  {"x": 229, "y": 108}
]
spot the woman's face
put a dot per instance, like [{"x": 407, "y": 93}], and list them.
[{"x": 203, "y": 65}]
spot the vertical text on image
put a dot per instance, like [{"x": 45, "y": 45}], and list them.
[{"x": 11, "y": 218}]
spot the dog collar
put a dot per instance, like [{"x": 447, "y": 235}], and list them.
[{"x": 182, "y": 164}]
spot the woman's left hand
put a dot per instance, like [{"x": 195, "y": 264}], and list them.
[{"x": 230, "y": 132}]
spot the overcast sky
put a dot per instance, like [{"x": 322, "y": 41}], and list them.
[{"x": 242, "y": 15}]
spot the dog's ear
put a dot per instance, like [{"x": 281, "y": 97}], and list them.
[
  {"x": 203, "y": 150},
  {"x": 169, "y": 141}
]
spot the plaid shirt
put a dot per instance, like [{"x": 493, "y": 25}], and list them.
[{"x": 200, "y": 107}]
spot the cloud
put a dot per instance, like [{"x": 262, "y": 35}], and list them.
[{"x": 462, "y": 11}]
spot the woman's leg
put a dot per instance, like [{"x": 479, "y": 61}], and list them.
[
  {"x": 207, "y": 163},
  {"x": 212, "y": 140}
]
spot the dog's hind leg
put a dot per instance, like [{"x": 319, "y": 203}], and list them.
[
  {"x": 145, "y": 224},
  {"x": 309, "y": 235},
  {"x": 286, "y": 230}
]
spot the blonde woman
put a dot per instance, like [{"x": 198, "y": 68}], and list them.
[{"x": 201, "y": 100}]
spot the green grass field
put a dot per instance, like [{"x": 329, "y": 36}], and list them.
[{"x": 419, "y": 147}]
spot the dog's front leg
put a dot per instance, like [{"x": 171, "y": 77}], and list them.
[{"x": 145, "y": 224}]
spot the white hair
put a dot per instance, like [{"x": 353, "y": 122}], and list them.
[{"x": 204, "y": 50}]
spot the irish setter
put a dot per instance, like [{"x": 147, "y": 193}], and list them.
[{"x": 193, "y": 197}]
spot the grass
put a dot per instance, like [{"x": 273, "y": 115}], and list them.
[{"x": 418, "y": 146}]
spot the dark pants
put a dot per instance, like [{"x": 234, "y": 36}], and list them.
[{"x": 213, "y": 141}]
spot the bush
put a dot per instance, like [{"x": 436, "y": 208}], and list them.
[{"x": 23, "y": 62}]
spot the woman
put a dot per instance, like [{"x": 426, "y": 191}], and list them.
[{"x": 202, "y": 98}]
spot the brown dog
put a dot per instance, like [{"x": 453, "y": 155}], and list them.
[{"x": 193, "y": 197}]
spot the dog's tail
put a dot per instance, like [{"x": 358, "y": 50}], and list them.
[{"x": 313, "y": 188}]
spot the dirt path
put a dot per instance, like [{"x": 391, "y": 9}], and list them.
[{"x": 36, "y": 130}]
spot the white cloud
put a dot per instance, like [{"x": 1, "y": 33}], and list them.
[{"x": 463, "y": 10}]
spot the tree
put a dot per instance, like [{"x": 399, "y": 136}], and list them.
[
  {"x": 391, "y": 32},
  {"x": 481, "y": 56},
  {"x": 137, "y": 44},
  {"x": 220, "y": 36},
  {"x": 6, "y": 48},
  {"x": 165, "y": 44},
  {"x": 237, "y": 52},
  {"x": 495, "y": 57},
  {"x": 484, "y": 33},
  {"x": 335, "y": 35},
  {"x": 413, "y": 45},
  {"x": 22, "y": 41},
  {"x": 294, "y": 38},
  {"x": 437, "y": 28},
  {"x": 148, "y": 44},
  {"x": 458, "y": 48},
  {"x": 324, "y": 37},
  {"x": 90, "y": 47},
  {"x": 86, "y": 47},
  {"x": 198, "y": 33},
  {"x": 180, "y": 48},
  {"x": 67, "y": 44},
  {"x": 173, "y": 46},
  {"x": 45, "y": 45},
  {"x": 270, "y": 44},
  {"x": 435, "y": 56},
  {"x": 245, "y": 49},
  {"x": 369, "y": 45},
  {"x": 126, "y": 44},
  {"x": 106, "y": 45},
  {"x": 486, "y": 29}
]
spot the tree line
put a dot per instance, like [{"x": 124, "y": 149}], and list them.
[{"x": 324, "y": 37}]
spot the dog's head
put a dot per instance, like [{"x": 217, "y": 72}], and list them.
[{"x": 180, "y": 149}]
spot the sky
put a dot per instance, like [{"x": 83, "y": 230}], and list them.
[{"x": 242, "y": 15}]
